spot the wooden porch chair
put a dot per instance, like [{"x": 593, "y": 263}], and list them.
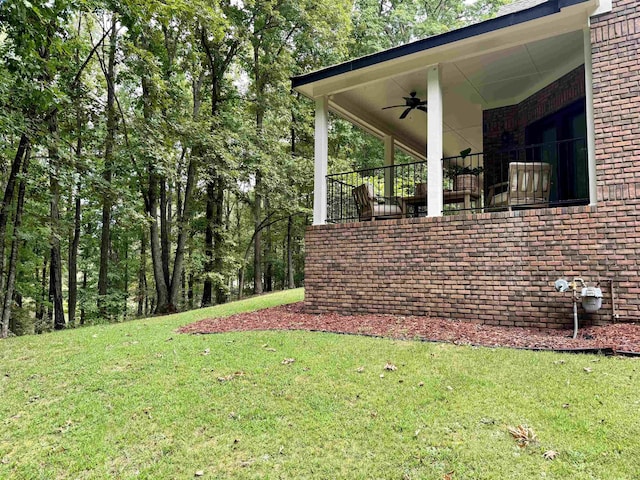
[
  {"x": 371, "y": 207},
  {"x": 529, "y": 185}
]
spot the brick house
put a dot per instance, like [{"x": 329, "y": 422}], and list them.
[{"x": 553, "y": 86}]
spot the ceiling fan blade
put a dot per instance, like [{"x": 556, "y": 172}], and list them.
[
  {"x": 405, "y": 113},
  {"x": 421, "y": 107},
  {"x": 393, "y": 106}
]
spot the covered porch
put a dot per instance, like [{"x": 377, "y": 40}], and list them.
[{"x": 500, "y": 120}]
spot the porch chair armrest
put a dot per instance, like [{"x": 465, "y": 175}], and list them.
[
  {"x": 494, "y": 190},
  {"x": 496, "y": 186}
]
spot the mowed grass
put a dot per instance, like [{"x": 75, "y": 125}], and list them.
[{"x": 137, "y": 400}]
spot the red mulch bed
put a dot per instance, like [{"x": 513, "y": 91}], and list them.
[{"x": 615, "y": 338}]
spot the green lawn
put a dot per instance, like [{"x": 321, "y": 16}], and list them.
[{"x": 137, "y": 400}]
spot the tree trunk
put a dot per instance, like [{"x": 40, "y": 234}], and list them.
[
  {"x": 162, "y": 293},
  {"x": 164, "y": 233},
  {"x": 208, "y": 247},
  {"x": 268, "y": 252},
  {"x": 126, "y": 279},
  {"x": 290, "y": 276},
  {"x": 74, "y": 241},
  {"x": 105, "y": 238},
  {"x": 257, "y": 242},
  {"x": 83, "y": 312},
  {"x": 257, "y": 207},
  {"x": 218, "y": 242},
  {"x": 55, "y": 270},
  {"x": 183, "y": 232},
  {"x": 23, "y": 147},
  {"x": 190, "y": 299},
  {"x": 40, "y": 304},
  {"x": 151, "y": 203},
  {"x": 142, "y": 274},
  {"x": 15, "y": 243}
]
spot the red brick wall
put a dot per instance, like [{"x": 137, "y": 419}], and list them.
[
  {"x": 615, "y": 38},
  {"x": 495, "y": 268},
  {"x": 514, "y": 119},
  {"x": 499, "y": 268}
]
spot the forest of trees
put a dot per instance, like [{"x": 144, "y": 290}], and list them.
[{"x": 153, "y": 157}]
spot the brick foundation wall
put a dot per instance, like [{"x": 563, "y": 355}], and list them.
[
  {"x": 494, "y": 268},
  {"x": 499, "y": 268}
]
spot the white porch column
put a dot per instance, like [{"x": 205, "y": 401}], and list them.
[
  {"x": 389, "y": 154},
  {"x": 434, "y": 142},
  {"x": 591, "y": 133},
  {"x": 321, "y": 161}
]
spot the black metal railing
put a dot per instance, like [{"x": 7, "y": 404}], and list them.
[
  {"x": 375, "y": 193},
  {"x": 533, "y": 176},
  {"x": 462, "y": 183}
]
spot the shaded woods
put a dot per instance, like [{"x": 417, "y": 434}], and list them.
[{"x": 152, "y": 156}]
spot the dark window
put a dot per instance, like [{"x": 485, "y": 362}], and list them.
[{"x": 560, "y": 140}]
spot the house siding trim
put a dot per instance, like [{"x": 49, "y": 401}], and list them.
[{"x": 537, "y": 12}]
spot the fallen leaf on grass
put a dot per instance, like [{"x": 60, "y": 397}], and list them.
[
  {"x": 550, "y": 454},
  {"x": 231, "y": 376},
  {"x": 523, "y": 434},
  {"x": 390, "y": 366},
  {"x": 360, "y": 369},
  {"x": 588, "y": 370},
  {"x": 288, "y": 361},
  {"x": 449, "y": 475},
  {"x": 65, "y": 427}
]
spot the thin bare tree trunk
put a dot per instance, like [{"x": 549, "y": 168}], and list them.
[
  {"x": 23, "y": 146},
  {"x": 290, "y": 277},
  {"x": 218, "y": 250},
  {"x": 40, "y": 304},
  {"x": 207, "y": 287},
  {"x": 55, "y": 270},
  {"x": 183, "y": 232},
  {"x": 164, "y": 233},
  {"x": 105, "y": 238},
  {"x": 257, "y": 243},
  {"x": 142, "y": 274},
  {"x": 15, "y": 245}
]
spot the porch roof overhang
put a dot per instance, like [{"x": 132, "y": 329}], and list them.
[{"x": 490, "y": 64}]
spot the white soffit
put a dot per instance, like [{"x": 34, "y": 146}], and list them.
[{"x": 495, "y": 69}]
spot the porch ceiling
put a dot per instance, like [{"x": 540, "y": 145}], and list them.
[{"x": 486, "y": 73}]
